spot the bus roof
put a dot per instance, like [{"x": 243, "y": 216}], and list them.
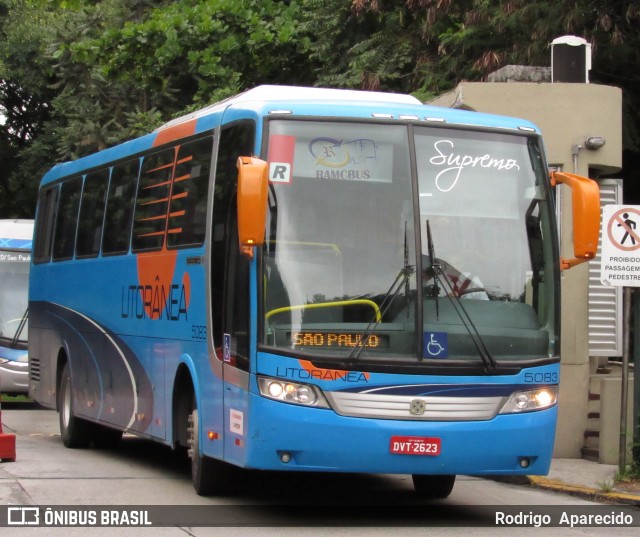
[
  {"x": 292, "y": 101},
  {"x": 295, "y": 94},
  {"x": 16, "y": 234}
]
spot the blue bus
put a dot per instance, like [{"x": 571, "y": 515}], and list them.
[
  {"x": 309, "y": 279},
  {"x": 16, "y": 236}
]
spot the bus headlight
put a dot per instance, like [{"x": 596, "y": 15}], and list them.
[
  {"x": 292, "y": 392},
  {"x": 529, "y": 400}
]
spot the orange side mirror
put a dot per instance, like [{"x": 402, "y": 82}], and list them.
[
  {"x": 253, "y": 185},
  {"x": 585, "y": 196}
]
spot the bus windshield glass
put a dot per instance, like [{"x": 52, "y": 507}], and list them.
[
  {"x": 14, "y": 285},
  {"x": 350, "y": 271}
]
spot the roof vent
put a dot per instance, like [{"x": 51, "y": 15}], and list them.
[{"x": 570, "y": 59}]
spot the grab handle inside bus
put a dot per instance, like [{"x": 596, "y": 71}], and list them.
[
  {"x": 585, "y": 196},
  {"x": 253, "y": 184}
]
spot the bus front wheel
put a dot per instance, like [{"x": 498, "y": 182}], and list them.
[
  {"x": 75, "y": 432},
  {"x": 209, "y": 476},
  {"x": 433, "y": 486}
]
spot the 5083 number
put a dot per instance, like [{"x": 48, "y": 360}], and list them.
[{"x": 541, "y": 378}]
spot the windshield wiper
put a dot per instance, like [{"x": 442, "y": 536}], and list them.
[
  {"x": 441, "y": 278},
  {"x": 20, "y": 328},
  {"x": 432, "y": 267},
  {"x": 402, "y": 280}
]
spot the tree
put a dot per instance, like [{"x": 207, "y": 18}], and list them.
[
  {"x": 80, "y": 75},
  {"x": 24, "y": 104},
  {"x": 428, "y": 46},
  {"x": 77, "y": 76},
  {"x": 354, "y": 47},
  {"x": 135, "y": 72},
  {"x": 93, "y": 111}
]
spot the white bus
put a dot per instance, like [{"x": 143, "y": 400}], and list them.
[{"x": 15, "y": 257}]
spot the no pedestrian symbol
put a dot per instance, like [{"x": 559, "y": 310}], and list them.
[{"x": 620, "y": 259}]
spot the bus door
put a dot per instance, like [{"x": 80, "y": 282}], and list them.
[{"x": 230, "y": 292}]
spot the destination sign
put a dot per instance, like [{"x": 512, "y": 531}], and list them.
[{"x": 338, "y": 339}]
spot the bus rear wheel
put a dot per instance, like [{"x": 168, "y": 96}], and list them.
[
  {"x": 209, "y": 476},
  {"x": 433, "y": 486},
  {"x": 75, "y": 432}
]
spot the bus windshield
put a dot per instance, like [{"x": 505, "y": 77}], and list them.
[
  {"x": 14, "y": 286},
  {"x": 350, "y": 272}
]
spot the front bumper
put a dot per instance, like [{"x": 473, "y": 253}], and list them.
[
  {"x": 14, "y": 372},
  {"x": 320, "y": 440}
]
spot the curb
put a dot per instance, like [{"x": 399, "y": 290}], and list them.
[{"x": 585, "y": 492}]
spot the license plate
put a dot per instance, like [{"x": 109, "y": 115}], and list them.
[{"x": 415, "y": 445}]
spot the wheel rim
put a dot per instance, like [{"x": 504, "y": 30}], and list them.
[
  {"x": 192, "y": 438},
  {"x": 193, "y": 444}
]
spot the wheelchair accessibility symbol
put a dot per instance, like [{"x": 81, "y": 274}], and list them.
[{"x": 436, "y": 345}]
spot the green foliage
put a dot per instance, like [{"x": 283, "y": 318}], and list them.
[
  {"x": 24, "y": 103},
  {"x": 208, "y": 48},
  {"x": 77, "y": 76},
  {"x": 171, "y": 58},
  {"x": 80, "y": 75},
  {"x": 426, "y": 47}
]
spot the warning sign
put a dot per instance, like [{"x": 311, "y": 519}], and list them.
[{"x": 620, "y": 259}]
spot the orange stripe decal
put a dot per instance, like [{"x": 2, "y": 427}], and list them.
[
  {"x": 155, "y": 274},
  {"x": 175, "y": 132}
]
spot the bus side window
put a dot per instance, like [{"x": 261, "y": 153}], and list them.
[
  {"x": 44, "y": 230},
  {"x": 188, "y": 208},
  {"x": 91, "y": 214},
  {"x": 67, "y": 219},
  {"x": 152, "y": 202},
  {"x": 120, "y": 200}
]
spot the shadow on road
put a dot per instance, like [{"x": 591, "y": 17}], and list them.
[
  {"x": 286, "y": 487},
  {"x": 287, "y": 499},
  {"x": 311, "y": 499},
  {"x": 9, "y": 403}
]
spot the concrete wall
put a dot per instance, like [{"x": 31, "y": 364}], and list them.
[
  {"x": 567, "y": 114},
  {"x": 610, "y": 403}
]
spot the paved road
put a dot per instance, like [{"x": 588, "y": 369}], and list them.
[{"x": 140, "y": 473}]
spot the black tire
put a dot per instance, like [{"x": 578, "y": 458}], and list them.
[
  {"x": 210, "y": 477},
  {"x": 105, "y": 437},
  {"x": 433, "y": 486},
  {"x": 75, "y": 432}
]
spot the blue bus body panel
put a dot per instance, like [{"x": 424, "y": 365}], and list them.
[
  {"x": 345, "y": 444},
  {"x": 260, "y": 430},
  {"x": 126, "y": 360},
  {"x": 82, "y": 165},
  {"x": 120, "y": 152}
]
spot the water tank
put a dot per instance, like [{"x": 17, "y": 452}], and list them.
[{"x": 570, "y": 59}]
